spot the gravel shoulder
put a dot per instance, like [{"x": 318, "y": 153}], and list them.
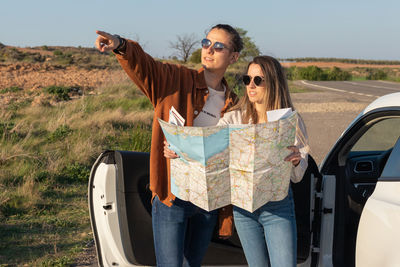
[{"x": 327, "y": 115}]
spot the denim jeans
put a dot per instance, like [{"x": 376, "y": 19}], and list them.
[
  {"x": 181, "y": 232},
  {"x": 268, "y": 235}
]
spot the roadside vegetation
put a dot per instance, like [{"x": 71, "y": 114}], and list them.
[
  {"x": 47, "y": 147},
  {"x": 87, "y": 58},
  {"x": 46, "y": 153},
  {"x": 344, "y": 60}
]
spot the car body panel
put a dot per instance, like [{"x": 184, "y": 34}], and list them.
[
  {"x": 379, "y": 232},
  {"x": 327, "y": 222}
]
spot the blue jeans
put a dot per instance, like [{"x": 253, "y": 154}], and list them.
[
  {"x": 268, "y": 235},
  {"x": 181, "y": 232}
]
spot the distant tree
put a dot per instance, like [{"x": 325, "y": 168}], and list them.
[
  {"x": 184, "y": 46},
  {"x": 250, "y": 49}
]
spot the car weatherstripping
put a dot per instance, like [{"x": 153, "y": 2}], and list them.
[{"x": 347, "y": 210}]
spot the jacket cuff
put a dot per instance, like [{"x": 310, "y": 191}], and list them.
[
  {"x": 225, "y": 220},
  {"x": 299, "y": 170}
]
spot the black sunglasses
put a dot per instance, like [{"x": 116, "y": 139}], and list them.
[
  {"x": 247, "y": 80},
  {"x": 218, "y": 46}
]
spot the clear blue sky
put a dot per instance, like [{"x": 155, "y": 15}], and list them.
[{"x": 363, "y": 29}]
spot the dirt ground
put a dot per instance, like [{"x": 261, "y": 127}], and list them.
[
  {"x": 32, "y": 77},
  {"x": 327, "y": 115}
]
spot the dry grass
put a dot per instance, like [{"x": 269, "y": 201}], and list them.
[{"x": 46, "y": 152}]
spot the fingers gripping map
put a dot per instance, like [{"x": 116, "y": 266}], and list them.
[{"x": 241, "y": 165}]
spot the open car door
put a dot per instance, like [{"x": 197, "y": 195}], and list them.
[
  {"x": 120, "y": 213},
  {"x": 379, "y": 232},
  {"x": 351, "y": 174}
]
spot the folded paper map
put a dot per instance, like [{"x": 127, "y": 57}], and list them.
[{"x": 241, "y": 165}]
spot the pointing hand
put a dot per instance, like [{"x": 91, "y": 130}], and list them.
[{"x": 106, "y": 42}]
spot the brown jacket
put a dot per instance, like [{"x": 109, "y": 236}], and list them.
[{"x": 169, "y": 85}]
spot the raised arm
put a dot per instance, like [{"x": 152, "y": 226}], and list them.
[{"x": 154, "y": 78}]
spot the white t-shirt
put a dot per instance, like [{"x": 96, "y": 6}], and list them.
[{"x": 211, "y": 112}]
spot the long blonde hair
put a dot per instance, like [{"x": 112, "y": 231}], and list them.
[
  {"x": 276, "y": 93},
  {"x": 276, "y": 96}
]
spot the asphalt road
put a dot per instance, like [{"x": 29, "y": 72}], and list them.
[
  {"x": 362, "y": 88},
  {"x": 331, "y": 106}
]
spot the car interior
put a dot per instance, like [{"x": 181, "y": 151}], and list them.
[
  {"x": 134, "y": 209},
  {"x": 357, "y": 161}
]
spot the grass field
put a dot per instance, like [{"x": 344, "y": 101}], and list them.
[{"x": 45, "y": 158}]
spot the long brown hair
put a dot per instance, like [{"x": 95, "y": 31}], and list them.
[{"x": 276, "y": 94}]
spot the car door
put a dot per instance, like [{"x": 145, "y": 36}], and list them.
[
  {"x": 350, "y": 176},
  {"x": 378, "y": 231},
  {"x": 120, "y": 213}
]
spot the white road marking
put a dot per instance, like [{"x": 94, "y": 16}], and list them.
[
  {"x": 374, "y": 86},
  {"x": 338, "y": 90},
  {"x": 389, "y": 82}
]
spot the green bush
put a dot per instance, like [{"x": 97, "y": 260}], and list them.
[
  {"x": 60, "y": 92},
  {"x": 376, "y": 75},
  {"x": 196, "y": 56},
  {"x": 313, "y": 73},
  {"x": 73, "y": 173},
  {"x": 336, "y": 74},
  {"x": 12, "y": 89},
  {"x": 234, "y": 81},
  {"x": 60, "y": 133},
  {"x": 63, "y": 58},
  {"x": 57, "y": 53}
]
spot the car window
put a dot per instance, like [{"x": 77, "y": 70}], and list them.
[{"x": 381, "y": 136}]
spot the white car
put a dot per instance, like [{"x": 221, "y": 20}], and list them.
[{"x": 347, "y": 211}]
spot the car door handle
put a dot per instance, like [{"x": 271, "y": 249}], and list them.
[{"x": 107, "y": 207}]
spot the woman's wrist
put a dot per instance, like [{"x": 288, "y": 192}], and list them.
[{"x": 121, "y": 46}]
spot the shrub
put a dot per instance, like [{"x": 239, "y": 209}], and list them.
[
  {"x": 73, "y": 173},
  {"x": 57, "y": 53},
  {"x": 312, "y": 73},
  {"x": 60, "y": 92},
  {"x": 234, "y": 81},
  {"x": 61, "y": 58},
  {"x": 336, "y": 74},
  {"x": 12, "y": 89},
  {"x": 60, "y": 133},
  {"x": 376, "y": 75},
  {"x": 196, "y": 56}
]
